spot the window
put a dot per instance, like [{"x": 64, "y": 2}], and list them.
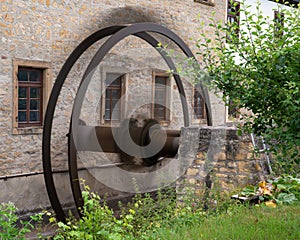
[
  {"x": 30, "y": 96},
  {"x": 113, "y": 93},
  {"x": 31, "y": 89},
  {"x": 198, "y": 104},
  {"x": 233, "y": 16},
  {"x": 278, "y": 23},
  {"x": 111, "y": 107},
  {"x": 161, "y": 111}
]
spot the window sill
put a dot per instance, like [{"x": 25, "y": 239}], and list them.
[
  {"x": 164, "y": 123},
  {"x": 28, "y": 130},
  {"x": 209, "y": 3},
  {"x": 199, "y": 121}
]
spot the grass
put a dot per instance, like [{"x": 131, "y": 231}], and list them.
[{"x": 243, "y": 223}]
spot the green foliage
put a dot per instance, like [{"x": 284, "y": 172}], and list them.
[
  {"x": 146, "y": 213},
  {"x": 98, "y": 221},
  {"x": 287, "y": 188},
  {"x": 148, "y": 216},
  {"x": 281, "y": 190},
  {"x": 10, "y": 225},
  {"x": 258, "y": 70},
  {"x": 140, "y": 219}
]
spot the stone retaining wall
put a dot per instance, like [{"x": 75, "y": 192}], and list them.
[{"x": 224, "y": 160}]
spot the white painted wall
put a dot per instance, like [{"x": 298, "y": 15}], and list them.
[{"x": 267, "y": 7}]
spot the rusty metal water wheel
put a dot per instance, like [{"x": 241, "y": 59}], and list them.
[{"x": 142, "y": 134}]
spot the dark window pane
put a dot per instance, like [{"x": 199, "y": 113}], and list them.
[
  {"x": 107, "y": 114},
  {"x": 159, "y": 111},
  {"x": 22, "y": 104},
  {"x": 34, "y": 104},
  {"x": 22, "y": 116},
  {"x": 107, "y": 93},
  {"x": 116, "y": 82},
  {"x": 113, "y": 79},
  {"x": 198, "y": 104},
  {"x": 160, "y": 80},
  {"x": 35, "y": 75},
  {"x": 114, "y": 102},
  {"x": 112, "y": 95},
  {"x": 160, "y": 97},
  {"x": 34, "y": 116},
  {"x": 34, "y": 92},
  {"x": 115, "y": 94},
  {"x": 107, "y": 103},
  {"x": 22, "y": 75},
  {"x": 22, "y": 92}
]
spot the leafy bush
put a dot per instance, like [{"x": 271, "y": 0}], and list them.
[
  {"x": 258, "y": 70},
  {"x": 10, "y": 225},
  {"x": 281, "y": 190},
  {"x": 140, "y": 219},
  {"x": 97, "y": 221},
  {"x": 148, "y": 212}
]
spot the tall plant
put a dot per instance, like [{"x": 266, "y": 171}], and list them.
[{"x": 256, "y": 63}]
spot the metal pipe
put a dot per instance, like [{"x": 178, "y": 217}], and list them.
[
  {"x": 101, "y": 139},
  {"x": 17, "y": 175}
]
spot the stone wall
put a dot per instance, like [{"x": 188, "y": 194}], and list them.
[{"x": 224, "y": 161}]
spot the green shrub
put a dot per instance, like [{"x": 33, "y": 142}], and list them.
[
  {"x": 11, "y": 227},
  {"x": 98, "y": 221},
  {"x": 139, "y": 219},
  {"x": 284, "y": 189}
]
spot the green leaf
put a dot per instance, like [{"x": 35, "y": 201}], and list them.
[{"x": 287, "y": 198}]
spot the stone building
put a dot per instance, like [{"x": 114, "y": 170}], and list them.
[{"x": 37, "y": 36}]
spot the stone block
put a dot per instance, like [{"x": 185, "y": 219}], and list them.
[
  {"x": 240, "y": 156},
  {"x": 227, "y": 185},
  {"x": 192, "y": 172},
  {"x": 220, "y": 156},
  {"x": 192, "y": 181},
  {"x": 227, "y": 170},
  {"x": 245, "y": 166},
  {"x": 221, "y": 175},
  {"x": 201, "y": 155},
  {"x": 199, "y": 161},
  {"x": 231, "y": 164},
  {"x": 220, "y": 164}
]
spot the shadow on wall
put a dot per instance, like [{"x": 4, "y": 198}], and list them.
[{"x": 127, "y": 15}]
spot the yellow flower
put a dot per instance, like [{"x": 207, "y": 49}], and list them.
[
  {"x": 131, "y": 211},
  {"x": 270, "y": 204}
]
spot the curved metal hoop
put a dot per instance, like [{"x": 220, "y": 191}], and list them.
[
  {"x": 73, "y": 170},
  {"x": 119, "y": 33},
  {"x": 48, "y": 120}
]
